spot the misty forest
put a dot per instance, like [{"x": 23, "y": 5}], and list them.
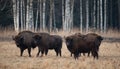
[{"x": 65, "y": 15}]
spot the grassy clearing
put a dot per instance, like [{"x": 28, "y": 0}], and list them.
[
  {"x": 109, "y": 58},
  {"x": 109, "y": 55}
]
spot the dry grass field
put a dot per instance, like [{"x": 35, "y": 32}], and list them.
[{"x": 109, "y": 58}]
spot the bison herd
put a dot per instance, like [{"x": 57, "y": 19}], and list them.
[{"x": 76, "y": 44}]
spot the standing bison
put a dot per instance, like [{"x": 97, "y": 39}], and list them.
[
  {"x": 55, "y": 42},
  {"x": 84, "y": 44},
  {"x": 25, "y": 40},
  {"x": 49, "y": 42},
  {"x": 43, "y": 43}
]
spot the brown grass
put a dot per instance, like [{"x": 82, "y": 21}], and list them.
[{"x": 109, "y": 56}]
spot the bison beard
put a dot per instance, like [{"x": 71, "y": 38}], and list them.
[
  {"x": 84, "y": 44},
  {"x": 24, "y": 40}
]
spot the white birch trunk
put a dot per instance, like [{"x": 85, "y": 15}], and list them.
[
  {"x": 41, "y": 17},
  {"x": 67, "y": 15},
  {"x": 54, "y": 16},
  {"x": 44, "y": 5},
  {"x": 31, "y": 15},
  {"x": 18, "y": 9},
  {"x": 105, "y": 15},
  {"x": 63, "y": 15},
  {"x": 98, "y": 14},
  {"x": 24, "y": 17},
  {"x": 71, "y": 15},
  {"x": 101, "y": 16},
  {"x": 36, "y": 21},
  {"x": 81, "y": 17},
  {"x": 94, "y": 15},
  {"x": 15, "y": 15},
  {"x": 87, "y": 15},
  {"x": 21, "y": 6},
  {"x": 27, "y": 16}
]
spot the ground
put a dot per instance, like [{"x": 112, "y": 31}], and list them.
[{"x": 109, "y": 58}]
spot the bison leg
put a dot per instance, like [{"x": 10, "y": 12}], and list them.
[
  {"x": 60, "y": 52},
  {"x": 38, "y": 52},
  {"x": 29, "y": 52},
  {"x": 21, "y": 52},
  {"x": 71, "y": 54},
  {"x": 88, "y": 53},
  {"x": 42, "y": 52},
  {"x": 56, "y": 50},
  {"x": 76, "y": 55},
  {"x": 46, "y": 51},
  {"x": 95, "y": 54},
  {"x": 83, "y": 54}
]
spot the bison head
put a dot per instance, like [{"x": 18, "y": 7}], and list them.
[
  {"x": 68, "y": 41},
  {"x": 100, "y": 38},
  {"x": 18, "y": 40},
  {"x": 37, "y": 39}
]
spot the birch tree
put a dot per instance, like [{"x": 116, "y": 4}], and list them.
[
  {"x": 31, "y": 15},
  {"x": 41, "y": 15},
  {"x": 87, "y": 15},
  {"x": 67, "y": 15},
  {"x": 54, "y": 18},
  {"x": 18, "y": 14},
  {"x": 51, "y": 14},
  {"x": 36, "y": 21},
  {"x": 101, "y": 16},
  {"x": 94, "y": 15},
  {"x": 63, "y": 14},
  {"x": 81, "y": 17},
  {"x": 27, "y": 15},
  {"x": 21, "y": 13},
  {"x": 16, "y": 24},
  {"x": 71, "y": 14},
  {"x": 44, "y": 23},
  {"x": 105, "y": 15},
  {"x": 98, "y": 6}
]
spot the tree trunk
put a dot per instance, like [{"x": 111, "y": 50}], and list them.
[
  {"x": 21, "y": 14},
  {"x": 98, "y": 18},
  {"x": 94, "y": 15},
  {"x": 105, "y": 15},
  {"x": 87, "y": 15},
  {"x": 44, "y": 23},
  {"x": 51, "y": 16},
  {"x": 71, "y": 14},
  {"x": 31, "y": 15},
  {"x": 18, "y": 9},
  {"x": 16, "y": 27},
  {"x": 54, "y": 16},
  {"x": 41, "y": 15},
  {"x": 81, "y": 17},
  {"x": 101, "y": 17},
  {"x": 63, "y": 14},
  {"x": 27, "y": 15},
  {"x": 36, "y": 21},
  {"x": 67, "y": 15}
]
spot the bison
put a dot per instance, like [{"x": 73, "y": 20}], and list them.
[
  {"x": 42, "y": 39},
  {"x": 49, "y": 42},
  {"x": 25, "y": 40},
  {"x": 83, "y": 44}
]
